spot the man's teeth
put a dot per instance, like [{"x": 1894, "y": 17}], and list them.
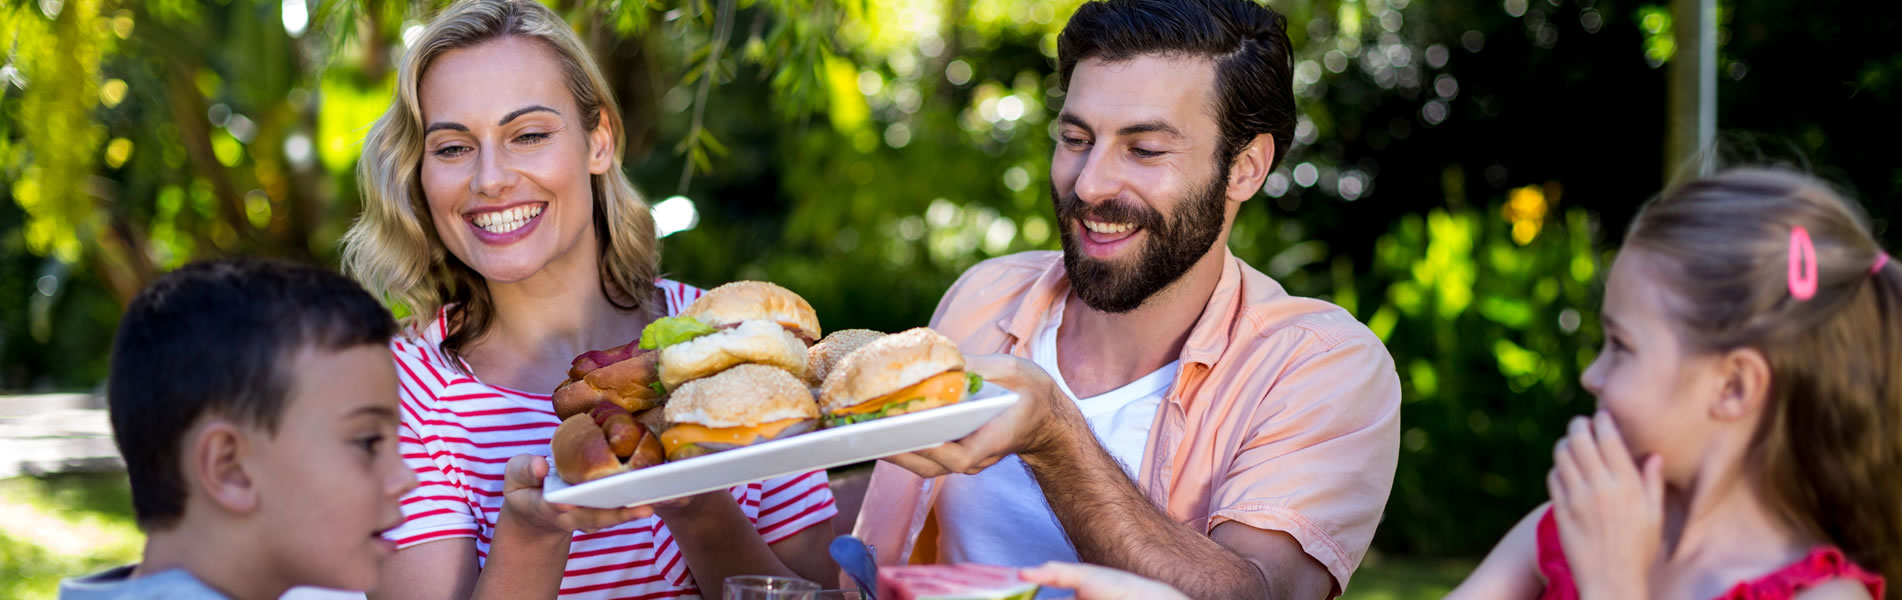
[
  {"x": 1101, "y": 227},
  {"x": 504, "y": 221}
]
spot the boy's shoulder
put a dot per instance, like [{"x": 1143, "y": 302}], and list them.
[{"x": 174, "y": 584}]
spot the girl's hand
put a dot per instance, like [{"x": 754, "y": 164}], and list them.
[
  {"x": 1610, "y": 515},
  {"x": 1092, "y": 582},
  {"x": 522, "y": 500}
]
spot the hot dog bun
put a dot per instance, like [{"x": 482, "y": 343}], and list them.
[{"x": 602, "y": 442}]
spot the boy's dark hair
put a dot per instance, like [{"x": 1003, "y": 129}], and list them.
[
  {"x": 1248, "y": 42},
  {"x": 216, "y": 338}
]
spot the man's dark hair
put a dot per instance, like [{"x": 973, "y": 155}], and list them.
[
  {"x": 217, "y": 338},
  {"x": 1248, "y": 42}
]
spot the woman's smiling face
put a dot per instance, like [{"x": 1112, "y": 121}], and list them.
[{"x": 507, "y": 160}]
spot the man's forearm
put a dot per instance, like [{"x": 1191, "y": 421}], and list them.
[{"x": 1112, "y": 523}]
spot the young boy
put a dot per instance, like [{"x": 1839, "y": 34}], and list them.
[{"x": 255, "y": 404}]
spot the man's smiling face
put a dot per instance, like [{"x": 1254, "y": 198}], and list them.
[{"x": 1136, "y": 178}]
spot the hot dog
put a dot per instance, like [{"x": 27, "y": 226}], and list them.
[
  {"x": 623, "y": 376},
  {"x": 602, "y": 442}
]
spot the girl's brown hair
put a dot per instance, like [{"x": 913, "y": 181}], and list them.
[
  {"x": 1829, "y": 449},
  {"x": 393, "y": 249}
]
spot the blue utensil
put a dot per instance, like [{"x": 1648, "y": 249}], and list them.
[{"x": 853, "y": 556}]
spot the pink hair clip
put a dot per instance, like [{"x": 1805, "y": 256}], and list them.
[
  {"x": 1802, "y": 264},
  {"x": 1882, "y": 258}
]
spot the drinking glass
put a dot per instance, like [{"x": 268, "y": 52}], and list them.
[{"x": 766, "y": 587}]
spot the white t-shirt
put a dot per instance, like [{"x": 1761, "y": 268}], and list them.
[{"x": 1000, "y": 516}]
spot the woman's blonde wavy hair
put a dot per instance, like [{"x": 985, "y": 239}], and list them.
[{"x": 393, "y": 248}]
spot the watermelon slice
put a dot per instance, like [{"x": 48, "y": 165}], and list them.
[{"x": 953, "y": 582}]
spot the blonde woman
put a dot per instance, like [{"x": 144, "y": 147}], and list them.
[{"x": 496, "y": 209}]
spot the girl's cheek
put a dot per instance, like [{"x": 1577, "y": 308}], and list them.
[{"x": 1616, "y": 399}]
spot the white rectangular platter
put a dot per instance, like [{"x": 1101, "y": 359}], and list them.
[{"x": 845, "y": 445}]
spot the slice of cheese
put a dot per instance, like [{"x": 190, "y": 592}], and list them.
[
  {"x": 949, "y": 384},
  {"x": 688, "y": 433}
]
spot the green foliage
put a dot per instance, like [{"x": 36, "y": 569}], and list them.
[
  {"x": 1490, "y": 337},
  {"x": 63, "y": 526},
  {"x": 1389, "y": 578},
  {"x": 59, "y": 54},
  {"x": 1659, "y": 40},
  {"x": 29, "y": 570}
]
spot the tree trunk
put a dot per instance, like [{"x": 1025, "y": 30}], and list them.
[
  {"x": 118, "y": 255},
  {"x": 1692, "y": 95}
]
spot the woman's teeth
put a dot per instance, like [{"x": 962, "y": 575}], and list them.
[
  {"x": 504, "y": 221},
  {"x": 1101, "y": 227}
]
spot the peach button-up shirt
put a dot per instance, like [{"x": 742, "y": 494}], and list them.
[{"x": 1285, "y": 415}]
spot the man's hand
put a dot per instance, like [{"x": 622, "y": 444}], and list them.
[
  {"x": 1610, "y": 515},
  {"x": 522, "y": 500},
  {"x": 1092, "y": 582},
  {"x": 1042, "y": 421}
]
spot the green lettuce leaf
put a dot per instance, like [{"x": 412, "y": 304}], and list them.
[
  {"x": 972, "y": 383},
  {"x": 838, "y": 420},
  {"x": 667, "y": 331},
  {"x": 658, "y": 388}
]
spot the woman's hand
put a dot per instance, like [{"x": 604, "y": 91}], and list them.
[
  {"x": 1610, "y": 514},
  {"x": 523, "y": 502},
  {"x": 695, "y": 509},
  {"x": 1092, "y": 582}
]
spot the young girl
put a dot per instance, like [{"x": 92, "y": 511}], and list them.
[
  {"x": 496, "y": 208},
  {"x": 1748, "y": 442}
]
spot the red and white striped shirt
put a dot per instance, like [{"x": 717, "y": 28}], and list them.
[{"x": 458, "y": 434}]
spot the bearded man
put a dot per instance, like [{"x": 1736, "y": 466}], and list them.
[{"x": 1183, "y": 417}]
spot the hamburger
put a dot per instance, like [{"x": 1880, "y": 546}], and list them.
[
  {"x": 902, "y": 373},
  {"x": 737, "y": 323},
  {"x": 741, "y": 406},
  {"x": 830, "y": 352}
]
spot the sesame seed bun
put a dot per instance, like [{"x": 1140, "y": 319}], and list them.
[
  {"x": 756, "y": 301},
  {"x": 889, "y": 364},
  {"x": 829, "y": 353},
  {"x": 744, "y": 395}
]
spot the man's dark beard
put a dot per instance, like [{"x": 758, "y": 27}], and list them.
[{"x": 1171, "y": 248}]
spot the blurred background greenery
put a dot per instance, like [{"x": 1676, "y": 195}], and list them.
[{"x": 1461, "y": 171}]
